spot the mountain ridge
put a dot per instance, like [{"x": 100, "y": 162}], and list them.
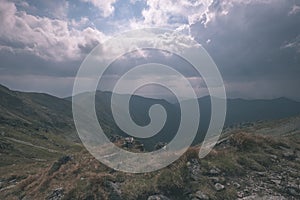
[{"x": 47, "y": 112}]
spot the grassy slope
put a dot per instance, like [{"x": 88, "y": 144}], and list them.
[
  {"x": 260, "y": 164},
  {"x": 34, "y": 129}
]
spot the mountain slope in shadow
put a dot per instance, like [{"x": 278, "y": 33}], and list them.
[{"x": 46, "y": 112}]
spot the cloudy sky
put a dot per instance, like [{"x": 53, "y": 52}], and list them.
[{"x": 255, "y": 43}]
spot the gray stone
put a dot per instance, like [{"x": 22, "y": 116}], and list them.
[
  {"x": 158, "y": 197},
  {"x": 57, "y": 194},
  {"x": 115, "y": 188},
  {"x": 200, "y": 195},
  {"x": 261, "y": 173},
  {"x": 240, "y": 194},
  {"x": 215, "y": 179},
  {"x": 293, "y": 191},
  {"x": 219, "y": 187},
  {"x": 214, "y": 172},
  {"x": 289, "y": 156},
  {"x": 194, "y": 169},
  {"x": 236, "y": 185},
  {"x": 276, "y": 181},
  {"x": 267, "y": 197}
]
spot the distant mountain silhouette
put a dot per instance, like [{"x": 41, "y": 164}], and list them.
[
  {"x": 49, "y": 112},
  {"x": 238, "y": 111}
]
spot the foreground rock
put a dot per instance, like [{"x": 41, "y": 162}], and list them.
[
  {"x": 158, "y": 197},
  {"x": 57, "y": 194},
  {"x": 199, "y": 195},
  {"x": 219, "y": 187}
]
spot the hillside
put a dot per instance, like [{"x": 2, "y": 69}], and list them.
[
  {"x": 33, "y": 128},
  {"x": 243, "y": 165},
  {"x": 39, "y": 118},
  {"x": 42, "y": 158},
  {"x": 35, "y": 110}
]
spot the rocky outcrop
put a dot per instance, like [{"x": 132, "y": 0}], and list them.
[
  {"x": 158, "y": 197},
  {"x": 56, "y": 194}
]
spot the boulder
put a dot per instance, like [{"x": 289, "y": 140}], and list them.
[
  {"x": 56, "y": 194},
  {"x": 219, "y": 187},
  {"x": 200, "y": 195},
  {"x": 158, "y": 197},
  {"x": 214, "y": 172}
]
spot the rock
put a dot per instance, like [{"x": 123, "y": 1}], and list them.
[
  {"x": 292, "y": 191},
  {"x": 160, "y": 145},
  {"x": 236, "y": 185},
  {"x": 293, "y": 184},
  {"x": 5, "y": 146},
  {"x": 194, "y": 169},
  {"x": 261, "y": 173},
  {"x": 63, "y": 160},
  {"x": 270, "y": 197},
  {"x": 289, "y": 156},
  {"x": 274, "y": 157},
  {"x": 267, "y": 197},
  {"x": 219, "y": 187},
  {"x": 221, "y": 180},
  {"x": 56, "y": 165},
  {"x": 200, "y": 195},
  {"x": 215, "y": 179},
  {"x": 224, "y": 143},
  {"x": 252, "y": 197},
  {"x": 158, "y": 197},
  {"x": 114, "y": 188},
  {"x": 246, "y": 191},
  {"x": 276, "y": 181},
  {"x": 13, "y": 181},
  {"x": 57, "y": 194},
  {"x": 112, "y": 138},
  {"x": 240, "y": 194},
  {"x": 214, "y": 171}
]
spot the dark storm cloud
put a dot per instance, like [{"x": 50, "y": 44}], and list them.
[
  {"x": 255, "y": 43},
  {"x": 23, "y": 63},
  {"x": 248, "y": 42}
]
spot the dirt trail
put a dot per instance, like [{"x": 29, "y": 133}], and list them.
[{"x": 32, "y": 145}]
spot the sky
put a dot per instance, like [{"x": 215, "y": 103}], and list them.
[{"x": 255, "y": 43}]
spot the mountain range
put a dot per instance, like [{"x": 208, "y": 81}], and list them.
[{"x": 53, "y": 114}]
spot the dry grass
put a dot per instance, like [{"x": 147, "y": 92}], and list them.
[{"x": 84, "y": 177}]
